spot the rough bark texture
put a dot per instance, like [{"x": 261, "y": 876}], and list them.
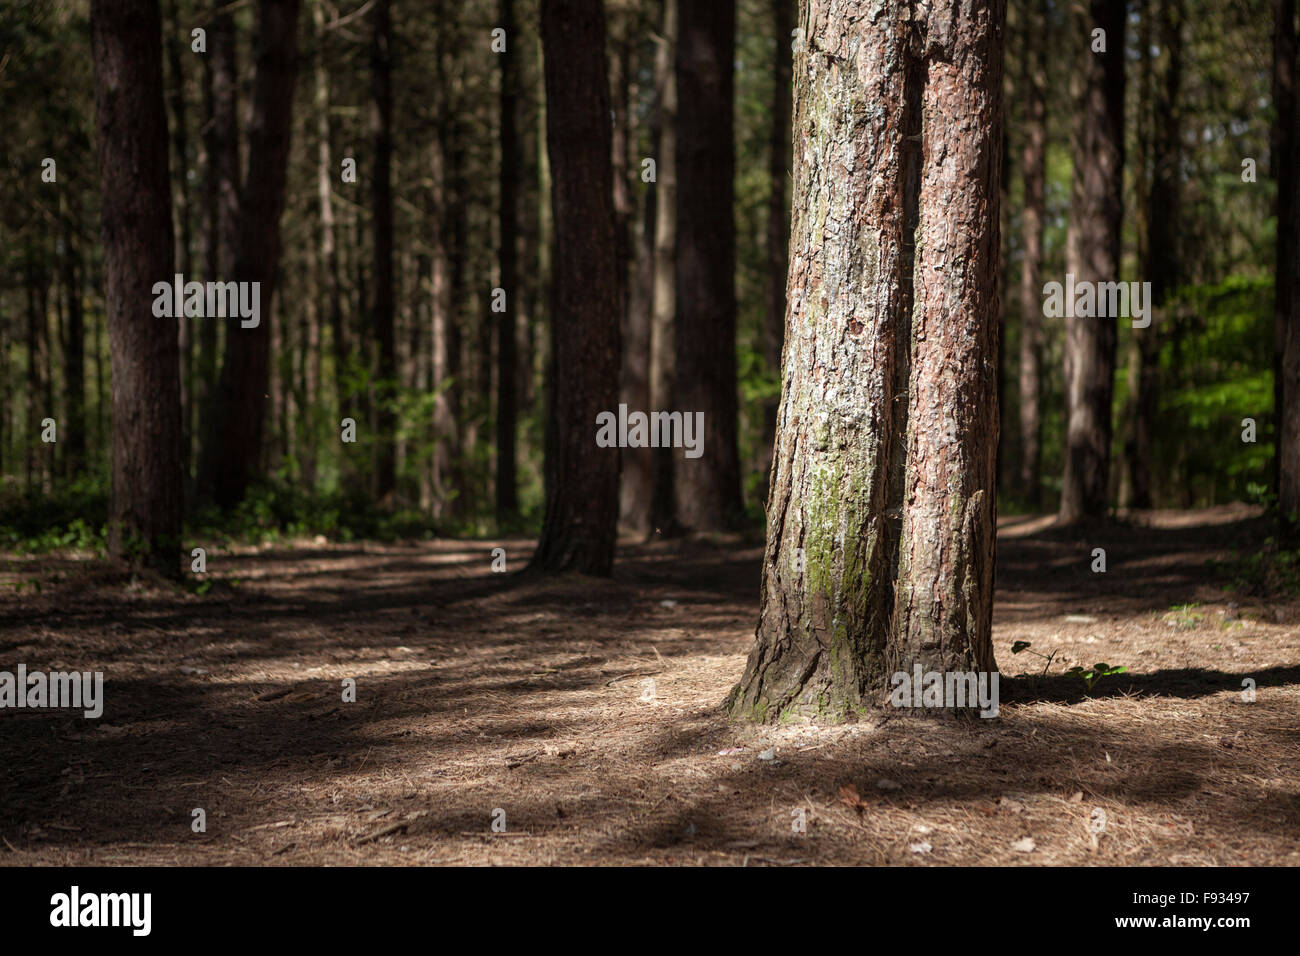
[
  {"x": 230, "y": 456},
  {"x": 880, "y": 518},
  {"x": 1093, "y": 255},
  {"x": 145, "y": 504},
  {"x": 580, "y": 527},
  {"x": 1033, "y": 81},
  {"x": 707, "y": 488},
  {"x": 1287, "y": 301}
]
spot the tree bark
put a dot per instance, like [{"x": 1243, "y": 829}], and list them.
[
  {"x": 1093, "y": 255},
  {"x": 230, "y": 456},
  {"x": 1034, "y": 171},
  {"x": 881, "y": 514},
  {"x": 135, "y": 190},
  {"x": 707, "y": 487},
  {"x": 580, "y": 527}
]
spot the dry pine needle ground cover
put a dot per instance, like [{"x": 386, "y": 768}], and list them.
[{"x": 588, "y": 711}]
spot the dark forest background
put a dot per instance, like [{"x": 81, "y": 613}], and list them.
[{"x": 383, "y": 307}]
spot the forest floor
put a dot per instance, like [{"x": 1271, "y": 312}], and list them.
[{"x": 479, "y": 693}]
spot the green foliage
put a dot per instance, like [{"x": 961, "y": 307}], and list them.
[{"x": 1090, "y": 675}]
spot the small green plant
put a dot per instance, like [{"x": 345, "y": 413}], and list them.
[
  {"x": 1091, "y": 675},
  {"x": 1184, "y": 616}
]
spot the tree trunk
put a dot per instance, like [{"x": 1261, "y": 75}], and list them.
[
  {"x": 1162, "y": 259},
  {"x": 778, "y": 222},
  {"x": 511, "y": 171},
  {"x": 580, "y": 527},
  {"x": 74, "y": 352},
  {"x": 381, "y": 128},
  {"x": 663, "y": 321},
  {"x": 882, "y": 509},
  {"x": 221, "y": 143},
  {"x": 145, "y": 503},
  {"x": 707, "y": 487},
  {"x": 184, "y": 245},
  {"x": 1093, "y": 255},
  {"x": 1034, "y": 162},
  {"x": 1286, "y": 140},
  {"x": 230, "y": 456}
]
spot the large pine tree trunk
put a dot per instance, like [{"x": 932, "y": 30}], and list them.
[
  {"x": 1034, "y": 170},
  {"x": 580, "y": 527},
  {"x": 1093, "y": 255},
  {"x": 145, "y": 505},
  {"x": 707, "y": 487},
  {"x": 881, "y": 512},
  {"x": 1286, "y": 141},
  {"x": 230, "y": 456}
]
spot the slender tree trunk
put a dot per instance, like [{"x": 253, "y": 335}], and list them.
[
  {"x": 38, "y": 407},
  {"x": 581, "y": 523},
  {"x": 511, "y": 170},
  {"x": 882, "y": 508},
  {"x": 230, "y": 456},
  {"x": 1286, "y": 141},
  {"x": 1162, "y": 256},
  {"x": 1034, "y": 171},
  {"x": 1093, "y": 255},
  {"x": 778, "y": 221},
  {"x": 382, "y": 221},
  {"x": 636, "y": 480},
  {"x": 184, "y": 243},
  {"x": 135, "y": 190},
  {"x": 663, "y": 322},
  {"x": 74, "y": 353},
  {"x": 707, "y": 487}
]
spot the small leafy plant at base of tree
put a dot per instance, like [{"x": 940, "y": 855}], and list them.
[{"x": 1091, "y": 675}]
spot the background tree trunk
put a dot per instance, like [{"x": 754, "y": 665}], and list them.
[
  {"x": 1093, "y": 255},
  {"x": 1034, "y": 170},
  {"x": 510, "y": 172},
  {"x": 880, "y": 519},
  {"x": 778, "y": 221},
  {"x": 230, "y": 456},
  {"x": 145, "y": 506},
  {"x": 663, "y": 321},
  {"x": 1286, "y": 140},
  {"x": 381, "y": 204},
  {"x": 580, "y": 527},
  {"x": 707, "y": 488}
]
